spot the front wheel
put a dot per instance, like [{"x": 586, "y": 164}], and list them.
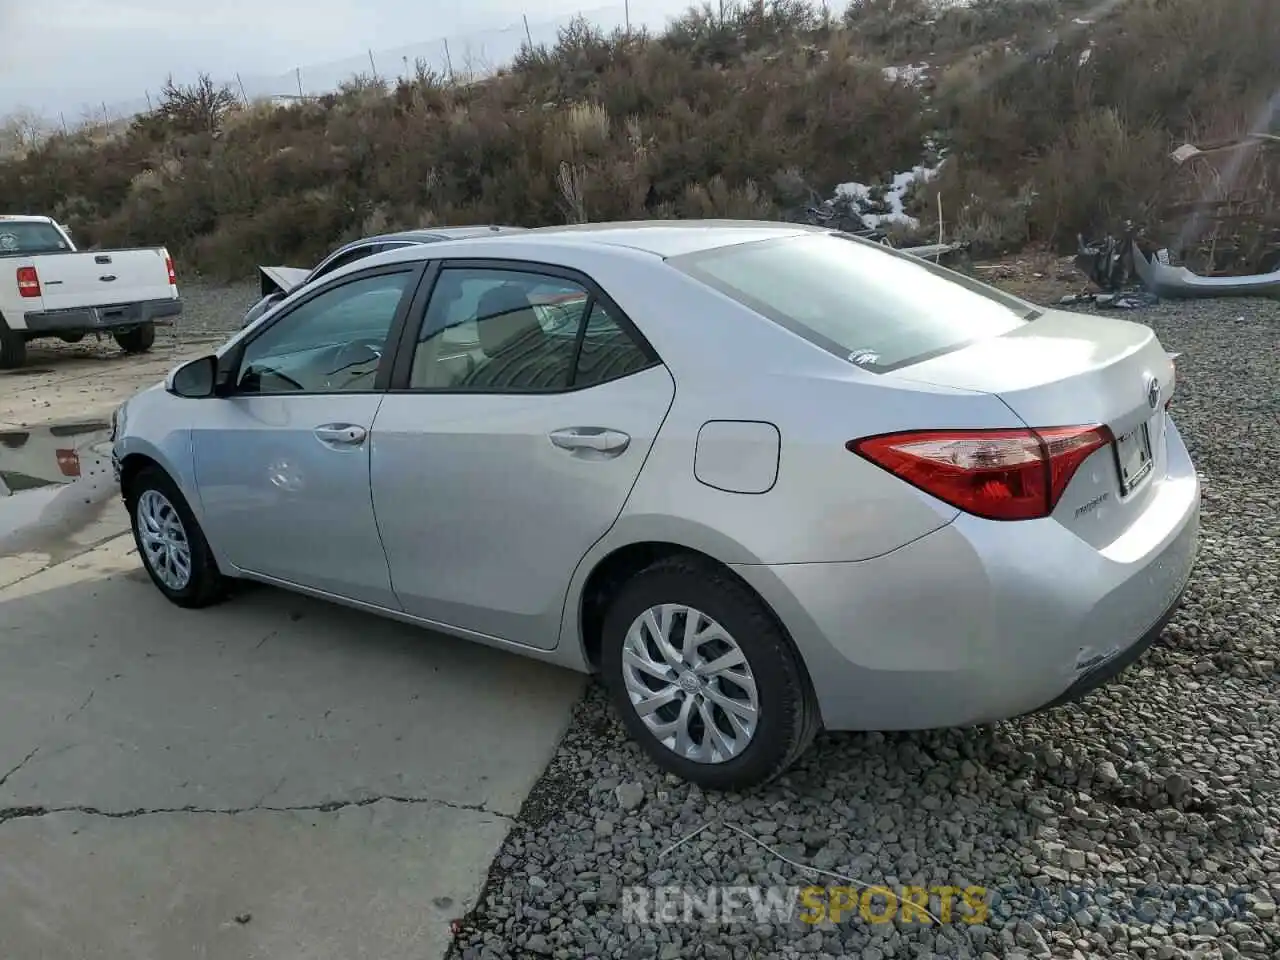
[
  {"x": 169, "y": 540},
  {"x": 137, "y": 340},
  {"x": 704, "y": 677}
]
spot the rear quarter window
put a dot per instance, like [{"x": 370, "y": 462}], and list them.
[{"x": 874, "y": 307}]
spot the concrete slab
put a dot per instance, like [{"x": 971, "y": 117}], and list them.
[
  {"x": 342, "y": 778},
  {"x": 380, "y": 881}
]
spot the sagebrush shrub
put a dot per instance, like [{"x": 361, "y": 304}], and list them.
[{"x": 1049, "y": 126}]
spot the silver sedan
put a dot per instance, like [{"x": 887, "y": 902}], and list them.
[{"x": 764, "y": 479}]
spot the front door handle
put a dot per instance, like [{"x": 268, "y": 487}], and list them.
[
  {"x": 341, "y": 434},
  {"x": 598, "y": 439}
]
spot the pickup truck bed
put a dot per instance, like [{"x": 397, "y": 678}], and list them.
[{"x": 49, "y": 289}]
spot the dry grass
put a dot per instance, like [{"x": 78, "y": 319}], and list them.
[{"x": 1051, "y": 128}]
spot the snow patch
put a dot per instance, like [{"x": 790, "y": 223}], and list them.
[
  {"x": 912, "y": 74},
  {"x": 894, "y": 211}
]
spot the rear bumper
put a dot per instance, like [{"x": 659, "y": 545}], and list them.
[
  {"x": 105, "y": 317},
  {"x": 1108, "y": 669},
  {"x": 981, "y": 621}
]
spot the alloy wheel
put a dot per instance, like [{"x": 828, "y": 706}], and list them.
[
  {"x": 163, "y": 539},
  {"x": 690, "y": 683}
]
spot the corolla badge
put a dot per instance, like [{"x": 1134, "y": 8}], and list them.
[{"x": 1153, "y": 392}]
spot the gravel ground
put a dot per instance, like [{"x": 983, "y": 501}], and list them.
[{"x": 1142, "y": 822}]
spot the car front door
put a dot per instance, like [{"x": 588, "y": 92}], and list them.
[
  {"x": 518, "y": 419},
  {"x": 282, "y": 462}
]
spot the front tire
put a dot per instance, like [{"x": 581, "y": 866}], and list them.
[
  {"x": 704, "y": 677},
  {"x": 170, "y": 542},
  {"x": 137, "y": 340}
]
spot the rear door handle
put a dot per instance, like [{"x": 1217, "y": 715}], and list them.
[
  {"x": 598, "y": 439},
  {"x": 341, "y": 434}
]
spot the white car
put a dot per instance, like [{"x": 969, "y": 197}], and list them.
[{"x": 764, "y": 478}]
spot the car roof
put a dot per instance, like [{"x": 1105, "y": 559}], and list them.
[
  {"x": 430, "y": 234},
  {"x": 24, "y": 218},
  {"x": 662, "y": 238}
]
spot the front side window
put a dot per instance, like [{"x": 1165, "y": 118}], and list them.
[
  {"x": 878, "y": 309},
  {"x": 332, "y": 343}
]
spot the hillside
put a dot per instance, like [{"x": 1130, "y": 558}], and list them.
[{"x": 1049, "y": 117}]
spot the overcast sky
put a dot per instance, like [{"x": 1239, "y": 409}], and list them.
[{"x": 63, "y": 56}]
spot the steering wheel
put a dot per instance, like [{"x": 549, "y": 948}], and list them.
[
  {"x": 357, "y": 353},
  {"x": 350, "y": 357}
]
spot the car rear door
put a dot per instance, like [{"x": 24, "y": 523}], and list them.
[{"x": 509, "y": 443}]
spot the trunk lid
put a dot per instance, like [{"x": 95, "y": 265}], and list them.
[
  {"x": 280, "y": 279},
  {"x": 102, "y": 278},
  {"x": 1065, "y": 369}
]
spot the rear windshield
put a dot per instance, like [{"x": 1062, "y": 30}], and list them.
[
  {"x": 874, "y": 307},
  {"x": 18, "y": 238}
]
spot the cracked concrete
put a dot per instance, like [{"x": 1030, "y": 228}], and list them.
[{"x": 179, "y": 786}]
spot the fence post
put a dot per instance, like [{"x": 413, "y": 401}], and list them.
[
  {"x": 528, "y": 35},
  {"x": 448, "y": 61},
  {"x": 297, "y": 72}
]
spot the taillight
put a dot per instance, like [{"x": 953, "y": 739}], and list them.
[
  {"x": 996, "y": 474},
  {"x": 173, "y": 277},
  {"x": 28, "y": 282},
  {"x": 68, "y": 462}
]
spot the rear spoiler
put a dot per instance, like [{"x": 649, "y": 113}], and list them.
[{"x": 280, "y": 279}]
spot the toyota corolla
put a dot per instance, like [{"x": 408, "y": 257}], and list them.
[{"x": 763, "y": 479}]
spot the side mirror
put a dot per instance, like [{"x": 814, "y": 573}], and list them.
[{"x": 196, "y": 379}]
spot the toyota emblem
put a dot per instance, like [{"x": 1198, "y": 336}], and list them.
[{"x": 1153, "y": 392}]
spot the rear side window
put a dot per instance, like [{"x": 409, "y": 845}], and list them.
[
  {"x": 875, "y": 308},
  {"x": 24, "y": 239}
]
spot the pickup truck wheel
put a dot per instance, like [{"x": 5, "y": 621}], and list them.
[
  {"x": 137, "y": 340},
  {"x": 169, "y": 540},
  {"x": 13, "y": 347}
]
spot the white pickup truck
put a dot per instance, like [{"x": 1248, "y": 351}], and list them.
[{"x": 48, "y": 289}]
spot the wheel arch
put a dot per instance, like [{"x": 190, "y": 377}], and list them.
[
  {"x": 173, "y": 456},
  {"x": 131, "y": 465},
  {"x": 607, "y": 574}
]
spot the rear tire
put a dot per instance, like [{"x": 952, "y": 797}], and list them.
[
  {"x": 71, "y": 337},
  {"x": 137, "y": 340},
  {"x": 170, "y": 542},
  {"x": 13, "y": 347},
  {"x": 732, "y": 757}
]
